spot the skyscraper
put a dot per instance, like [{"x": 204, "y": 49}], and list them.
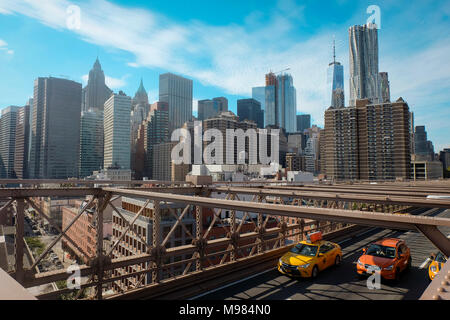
[
  {"x": 220, "y": 104},
  {"x": 177, "y": 92},
  {"x": 8, "y": 141},
  {"x": 303, "y": 122},
  {"x": 384, "y": 87},
  {"x": 422, "y": 146},
  {"x": 211, "y": 108},
  {"x": 278, "y": 101},
  {"x": 368, "y": 141},
  {"x": 336, "y": 82},
  {"x": 96, "y": 92},
  {"x": 286, "y": 103},
  {"x": 259, "y": 94},
  {"x": 22, "y": 140},
  {"x": 250, "y": 109},
  {"x": 140, "y": 109},
  {"x": 91, "y": 142},
  {"x": 55, "y": 129},
  {"x": 364, "y": 76},
  {"x": 156, "y": 132},
  {"x": 117, "y": 131}
]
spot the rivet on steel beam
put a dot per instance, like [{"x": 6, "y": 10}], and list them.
[
  {"x": 444, "y": 283},
  {"x": 436, "y": 297},
  {"x": 440, "y": 289}
]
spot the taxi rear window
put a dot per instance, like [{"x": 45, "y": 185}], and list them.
[{"x": 305, "y": 250}]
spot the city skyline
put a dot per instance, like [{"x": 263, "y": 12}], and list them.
[{"x": 305, "y": 49}]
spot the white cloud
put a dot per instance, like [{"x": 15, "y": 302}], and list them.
[
  {"x": 236, "y": 57},
  {"x": 114, "y": 83},
  {"x": 153, "y": 95},
  {"x": 4, "y": 47},
  {"x": 4, "y": 11}
]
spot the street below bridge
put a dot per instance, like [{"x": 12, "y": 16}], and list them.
[{"x": 342, "y": 282}]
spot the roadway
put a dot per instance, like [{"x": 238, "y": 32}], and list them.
[{"x": 341, "y": 283}]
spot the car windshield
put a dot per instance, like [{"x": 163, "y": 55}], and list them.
[
  {"x": 377, "y": 250},
  {"x": 440, "y": 258},
  {"x": 305, "y": 250}
]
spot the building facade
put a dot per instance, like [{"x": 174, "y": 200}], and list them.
[
  {"x": 117, "y": 131},
  {"x": 336, "y": 82},
  {"x": 211, "y": 108},
  {"x": 55, "y": 129},
  {"x": 423, "y": 148},
  {"x": 96, "y": 92},
  {"x": 303, "y": 122},
  {"x": 250, "y": 109},
  {"x": 364, "y": 75},
  {"x": 139, "y": 112},
  {"x": 91, "y": 142},
  {"x": 22, "y": 141},
  {"x": 368, "y": 142},
  {"x": 287, "y": 103},
  {"x": 162, "y": 161},
  {"x": 8, "y": 141},
  {"x": 177, "y": 92}
]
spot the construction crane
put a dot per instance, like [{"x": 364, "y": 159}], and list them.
[{"x": 282, "y": 71}]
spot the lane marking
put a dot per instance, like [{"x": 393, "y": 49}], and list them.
[
  {"x": 230, "y": 284},
  {"x": 348, "y": 239},
  {"x": 2, "y": 239},
  {"x": 424, "y": 263}
]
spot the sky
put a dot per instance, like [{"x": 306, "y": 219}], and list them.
[{"x": 226, "y": 47}]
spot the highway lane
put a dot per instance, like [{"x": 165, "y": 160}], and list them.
[{"x": 341, "y": 283}]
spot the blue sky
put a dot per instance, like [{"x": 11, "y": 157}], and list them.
[{"x": 227, "y": 46}]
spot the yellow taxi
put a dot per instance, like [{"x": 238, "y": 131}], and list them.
[
  {"x": 309, "y": 257},
  {"x": 437, "y": 261}
]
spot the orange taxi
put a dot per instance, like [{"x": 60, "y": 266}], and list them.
[{"x": 389, "y": 256}]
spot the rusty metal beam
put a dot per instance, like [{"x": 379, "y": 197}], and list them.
[
  {"x": 436, "y": 237},
  {"x": 89, "y": 182},
  {"x": 362, "y": 190},
  {"x": 390, "y": 200},
  {"x": 50, "y": 192},
  {"x": 348, "y": 216}
]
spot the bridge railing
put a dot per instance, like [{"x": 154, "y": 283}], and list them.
[
  {"x": 260, "y": 227},
  {"x": 109, "y": 271}
]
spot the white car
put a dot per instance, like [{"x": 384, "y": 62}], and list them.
[{"x": 438, "y": 197}]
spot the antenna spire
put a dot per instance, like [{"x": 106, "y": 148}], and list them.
[{"x": 334, "y": 50}]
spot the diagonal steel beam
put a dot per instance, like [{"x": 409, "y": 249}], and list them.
[
  {"x": 128, "y": 228},
  {"x": 436, "y": 237},
  {"x": 54, "y": 225},
  {"x": 2, "y": 209},
  {"x": 52, "y": 244},
  {"x": 127, "y": 223},
  {"x": 186, "y": 210}
]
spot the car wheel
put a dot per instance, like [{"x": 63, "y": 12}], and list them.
[
  {"x": 337, "y": 261},
  {"x": 408, "y": 266},
  {"x": 315, "y": 272},
  {"x": 397, "y": 275}
]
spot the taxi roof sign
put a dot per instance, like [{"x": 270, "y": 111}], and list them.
[{"x": 314, "y": 237}]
